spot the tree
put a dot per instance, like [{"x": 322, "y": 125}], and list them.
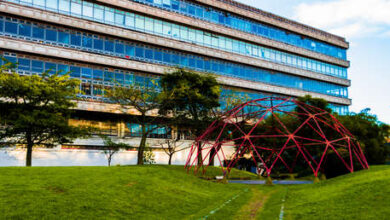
[
  {"x": 189, "y": 97},
  {"x": 35, "y": 109},
  {"x": 170, "y": 147},
  {"x": 370, "y": 133},
  {"x": 145, "y": 100},
  {"x": 111, "y": 148}
]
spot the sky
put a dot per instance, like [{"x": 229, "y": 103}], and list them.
[{"x": 366, "y": 26}]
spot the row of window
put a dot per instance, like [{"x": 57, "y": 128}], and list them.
[
  {"x": 98, "y": 44},
  {"x": 133, "y": 21},
  {"x": 229, "y": 95},
  {"x": 242, "y": 24},
  {"x": 131, "y": 129},
  {"x": 96, "y": 80}
]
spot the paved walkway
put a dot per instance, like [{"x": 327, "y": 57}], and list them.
[{"x": 281, "y": 182}]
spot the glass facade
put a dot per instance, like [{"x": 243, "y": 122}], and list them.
[
  {"x": 129, "y": 50},
  {"x": 94, "y": 79},
  {"x": 108, "y": 15},
  {"x": 232, "y": 21}
]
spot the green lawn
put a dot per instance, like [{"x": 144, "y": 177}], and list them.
[
  {"x": 147, "y": 192},
  {"x": 168, "y": 192},
  {"x": 361, "y": 195}
]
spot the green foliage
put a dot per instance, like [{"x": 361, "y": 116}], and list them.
[
  {"x": 189, "y": 97},
  {"x": 35, "y": 109},
  {"x": 316, "y": 102},
  {"x": 111, "y": 148},
  {"x": 370, "y": 133},
  {"x": 148, "y": 156}
]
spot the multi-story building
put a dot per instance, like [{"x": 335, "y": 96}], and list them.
[{"x": 251, "y": 52}]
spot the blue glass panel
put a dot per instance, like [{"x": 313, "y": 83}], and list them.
[
  {"x": 38, "y": 32},
  {"x": 11, "y": 27},
  {"x": 25, "y": 30},
  {"x": 51, "y": 35}
]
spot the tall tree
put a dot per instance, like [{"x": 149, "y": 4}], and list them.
[
  {"x": 189, "y": 98},
  {"x": 145, "y": 100},
  {"x": 35, "y": 109}
]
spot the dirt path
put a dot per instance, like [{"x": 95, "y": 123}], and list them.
[{"x": 254, "y": 205}]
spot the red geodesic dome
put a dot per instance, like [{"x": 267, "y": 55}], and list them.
[{"x": 275, "y": 131}]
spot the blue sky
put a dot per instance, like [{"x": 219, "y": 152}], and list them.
[{"x": 366, "y": 25}]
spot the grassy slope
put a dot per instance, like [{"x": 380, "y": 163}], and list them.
[
  {"x": 361, "y": 195},
  {"x": 148, "y": 192},
  {"x": 167, "y": 192}
]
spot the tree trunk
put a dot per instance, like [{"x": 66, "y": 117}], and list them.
[
  {"x": 30, "y": 145},
  {"x": 200, "y": 158},
  {"x": 141, "y": 148},
  {"x": 212, "y": 156},
  {"x": 109, "y": 161},
  {"x": 170, "y": 159}
]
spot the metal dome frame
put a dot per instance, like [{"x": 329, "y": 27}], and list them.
[{"x": 212, "y": 143}]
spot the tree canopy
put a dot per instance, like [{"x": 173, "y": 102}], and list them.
[
  {"x": 35, "y": 109},
  {"x": 189, "y": 97}
]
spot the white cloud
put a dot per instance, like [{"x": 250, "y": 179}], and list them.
[{"x": 349, "y": 18}]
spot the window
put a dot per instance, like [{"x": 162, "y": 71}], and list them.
[
  {"x": 139, "y": 52},
  {"x": 25, "y": 30},
  {"x": 129, "y": 20},
  {"x": 51, "y": 35},
  {"x": 11, "y": 27},
  {"x": 97, "y": 74},
  {"x": 87, "y": 41},
  {"x": 98, "y": 12},
  {"x": 37, "y": 66},
  {"x": 98, "y": 44},
  {"x": 38, "y": 32},
  {"x": 86, "y": 73},
  {"x": 139, "y": 22},
  {"x": 75, "y": 7},
  {"x": 129, "y": 50},
  {"x": 87, "y": 9},
  {"x": 119, "y": 47},
  {"x": 24, "y": 64},
  {"x": 149, "y": 54},
  {"x": 64, "y": 5},
  {"x": 63, "y": 37},
  {"x": 53, "y": 5},
  {"x": 63, "y": 69},
  {"x": 158, "y": 27},
  {"x": 75, "y": 40},
  {"x": 109, "y": 45},
  {"x": 40, "y": 3},
  {"x": 75, "y": 71},
  {"x": 119, "y": 18},
  {"x": 149, "y": 24},
  {"x": 50, "y": 68},
  {"x": 166, "y": 28},
  {"x": 109, "y": 15}
]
